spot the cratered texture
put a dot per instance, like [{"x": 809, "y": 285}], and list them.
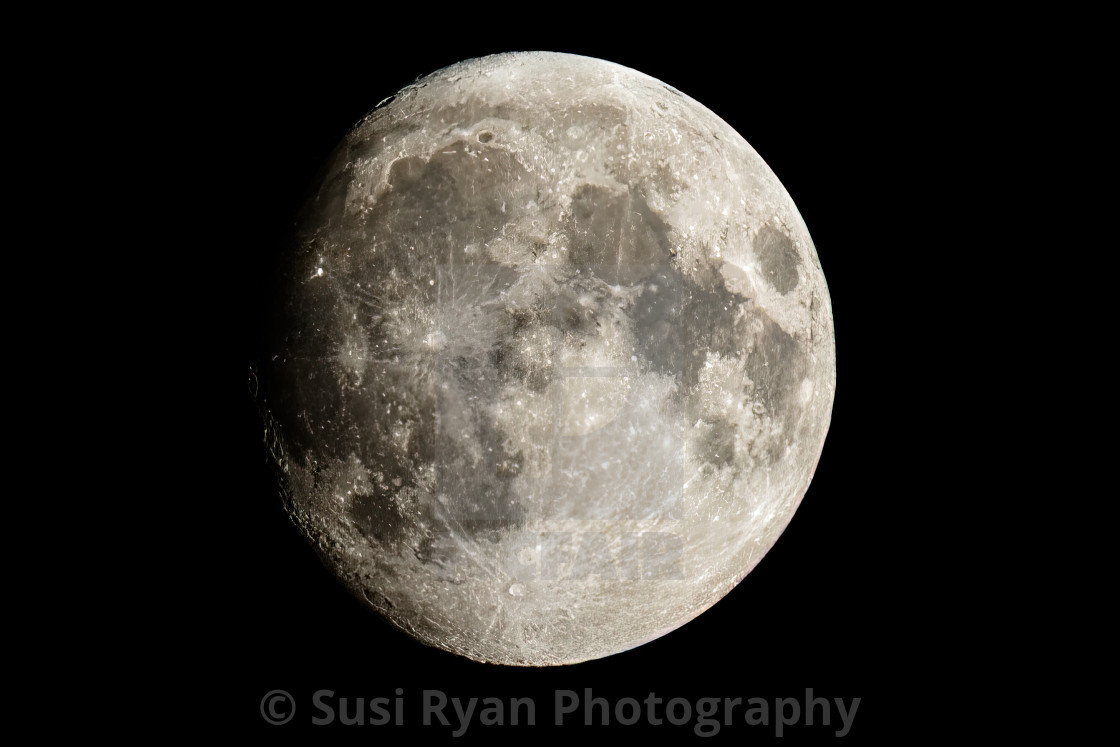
[{"x": 553, "y": 363}]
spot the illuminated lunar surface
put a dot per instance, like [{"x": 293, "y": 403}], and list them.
[{"x": 554, "y": 360}]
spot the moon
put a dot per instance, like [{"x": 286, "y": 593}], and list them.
[{"x": 552, "y": 362}]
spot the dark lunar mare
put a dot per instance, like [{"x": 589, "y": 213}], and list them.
[{"x": 616, "y": 239}]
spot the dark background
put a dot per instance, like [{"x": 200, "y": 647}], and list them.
[{"x": 857, "y": 124}]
